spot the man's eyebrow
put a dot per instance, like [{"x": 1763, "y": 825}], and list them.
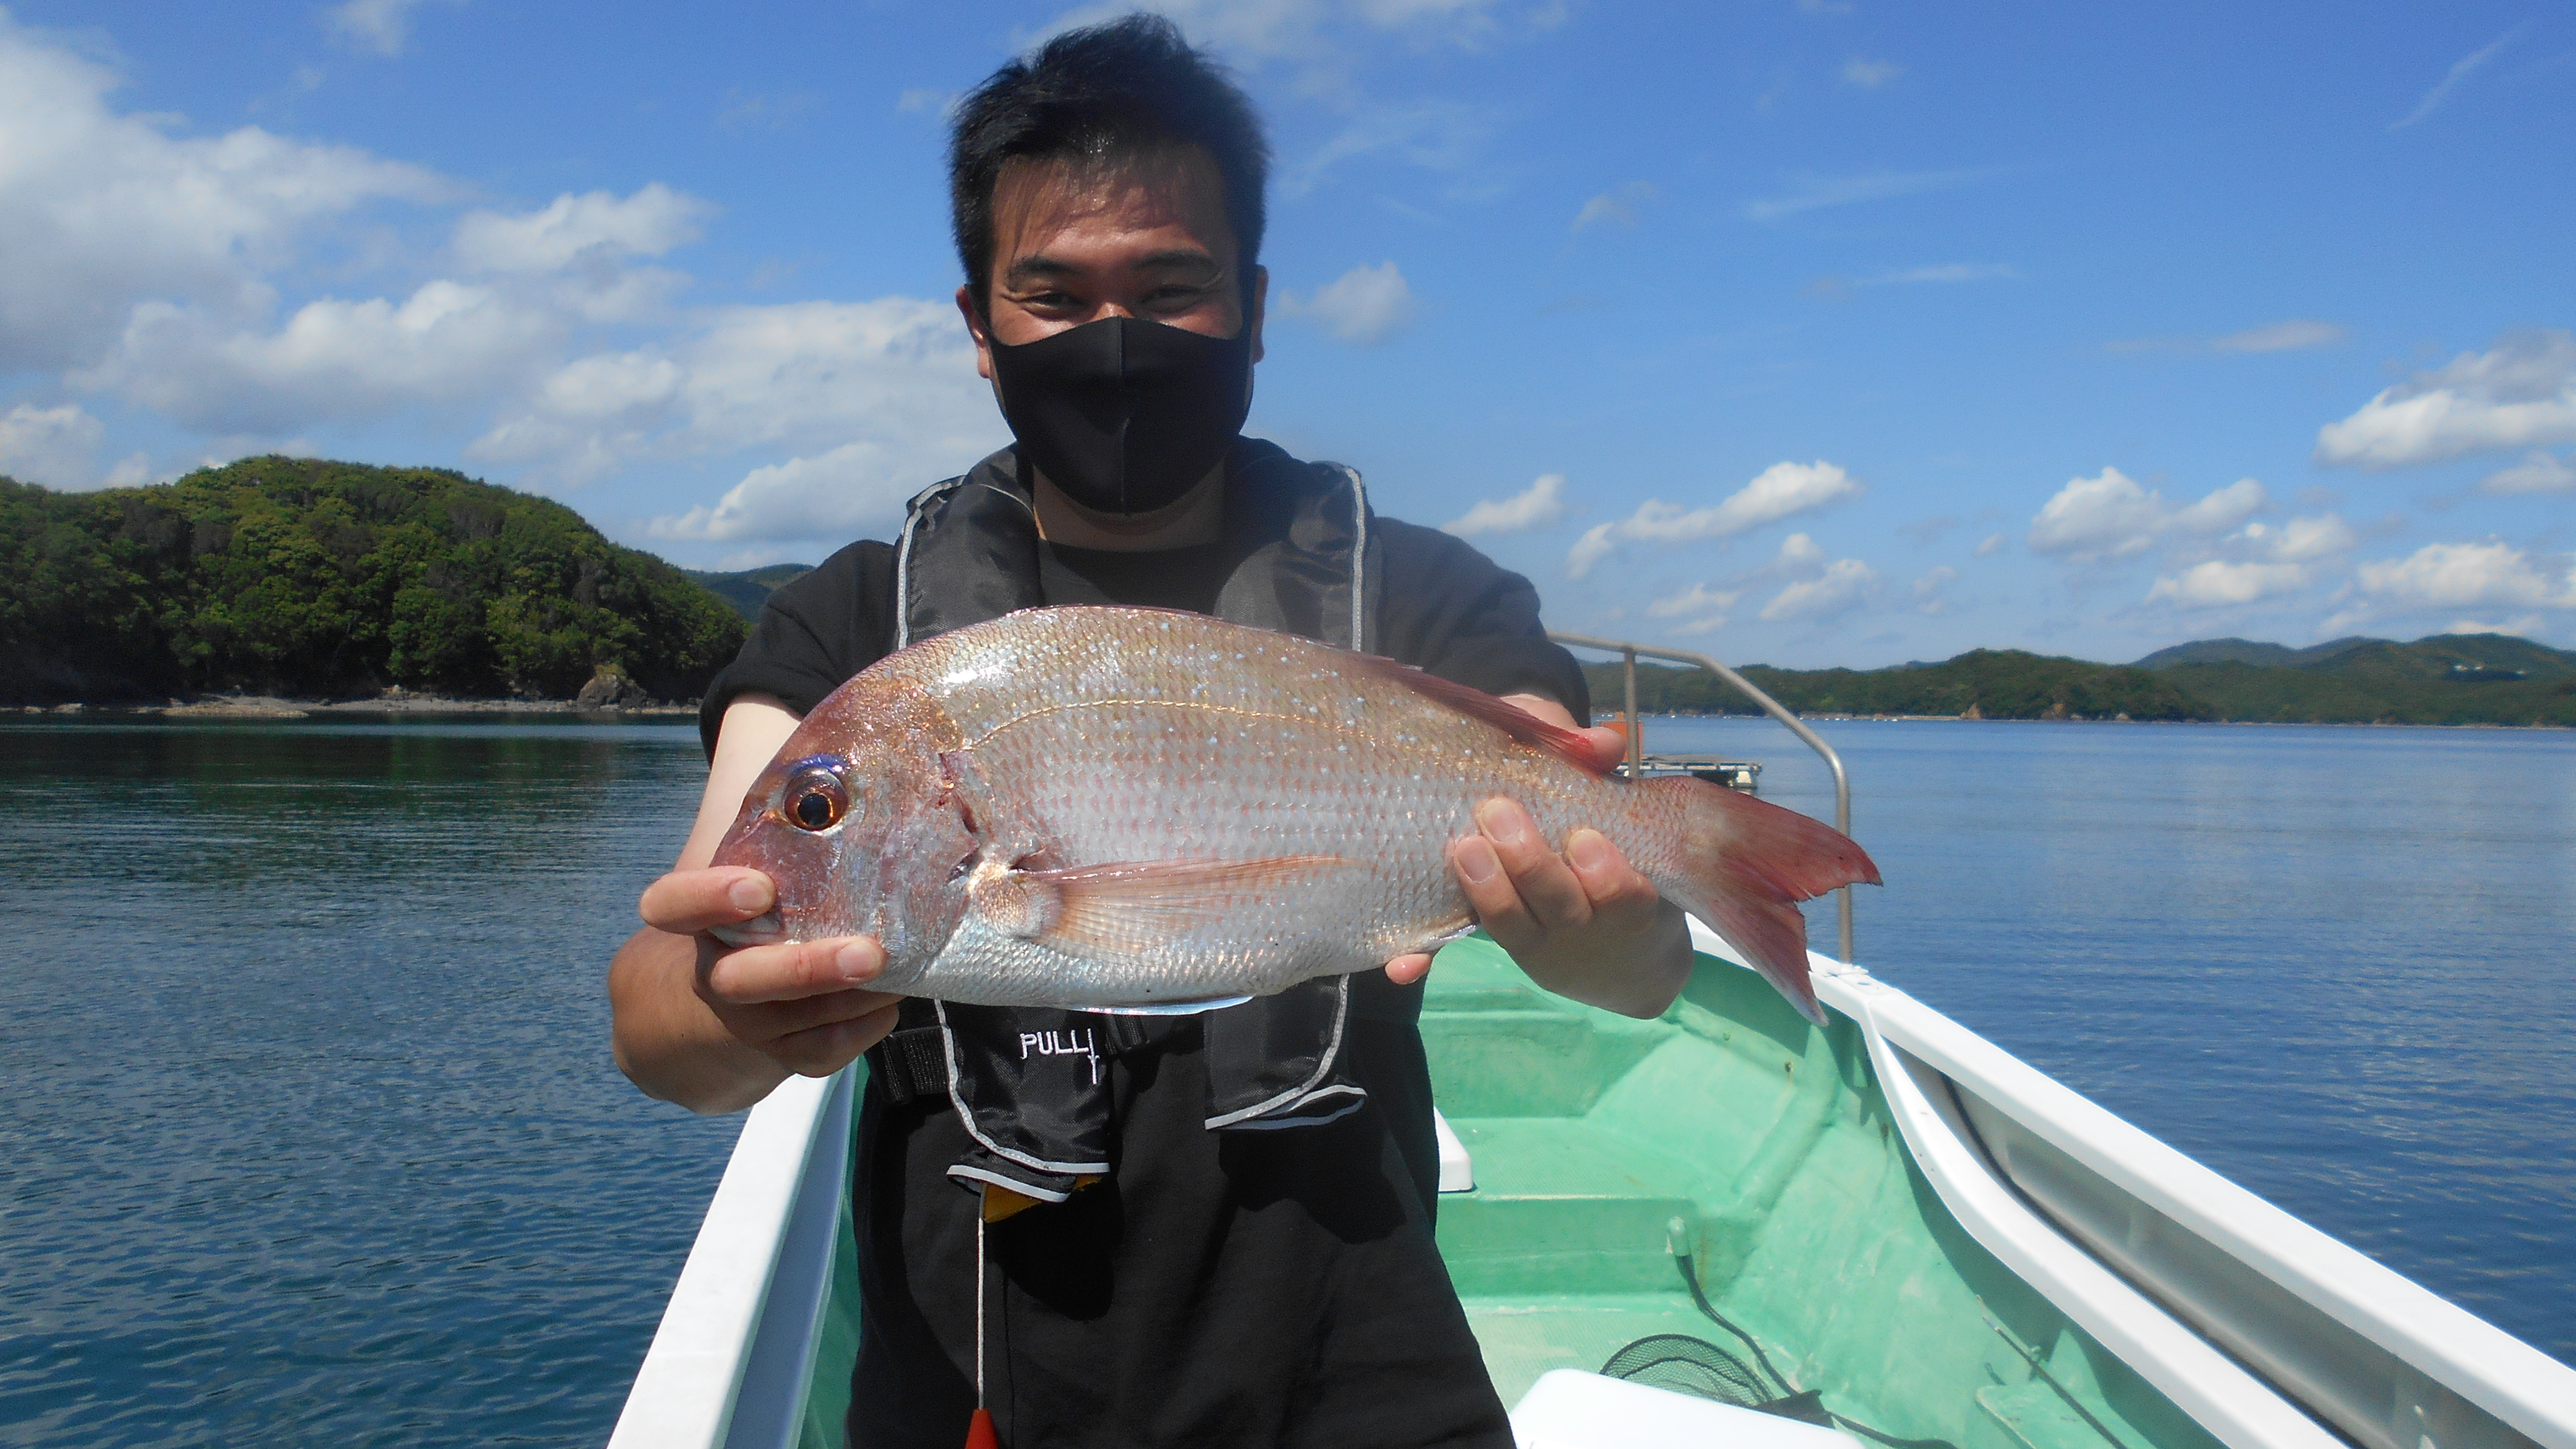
[
  {"x": 1178, "y": 257},
  {"x": 1040, "y": 266}
]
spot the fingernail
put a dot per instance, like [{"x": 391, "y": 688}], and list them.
[
  {"x": 1477, "y": 861},
  {"x": 1502, "y": 822},
  {"x": 748, "y": 895},
  {"x": 1589, "y": 851},
  {"x": 859, "y": 961}
]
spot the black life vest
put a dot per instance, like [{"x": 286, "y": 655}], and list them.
[{"x": 1029, "y": 1083}]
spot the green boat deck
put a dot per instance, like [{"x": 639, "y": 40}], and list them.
[{"x": 1768, "y": 1141}]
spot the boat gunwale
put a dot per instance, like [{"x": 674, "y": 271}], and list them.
[{"x": 2487, "y": 1367}]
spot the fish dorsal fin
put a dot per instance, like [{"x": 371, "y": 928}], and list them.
[
  {"x": 1120, "y": 910},
  {"x": 1524, "y": 727}
]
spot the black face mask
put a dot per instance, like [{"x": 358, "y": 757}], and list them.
[{"x": 1123, "y": 414}]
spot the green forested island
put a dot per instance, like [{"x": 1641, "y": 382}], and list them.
[
  {"x": 301, "y": 577},
  {"x": 2446, "y": 679}
]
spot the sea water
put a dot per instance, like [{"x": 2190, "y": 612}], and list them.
[{"x": 309, "y": 1131}]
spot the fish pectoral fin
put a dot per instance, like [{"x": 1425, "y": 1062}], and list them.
[{"x": 1113, "y": 910}]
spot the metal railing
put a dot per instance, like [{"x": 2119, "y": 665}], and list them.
[{"x": 1770, "y": 706}]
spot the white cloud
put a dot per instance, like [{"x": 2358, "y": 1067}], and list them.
[
  {"x": 447, "y": 343},
  {"x": 2524, "y": 624},
  {"x": 382, "y": 26},
  {"x": 1842, "y": 587},
  {"x": 1619, "y": 205},
  {"x": 2539, "y": 473},
  {"x": 1817, "y": 192},
  {"x": 56, "y": 446},
  {"x": 1799, "y": 554},
  {"x": 1992, "y": 544},
  {"x": 2259, "y": 561},
  {"x": 543, "y": 275},
  {"x": 2460, "y": 70},
  {"x": 869, "y": 400},
  {"x": 1869, "y": 75},
  {"x": 1697, "y": 599},
  {"x": 766, "y": 110},
  {"x": 2112, "y": 517},
  {"x": 1436, "y": 135},
  {"x": 593, "y": 225},
  {"x": 1365, "y": 305},
  {"x": 1944, "y": 272},
  {"x": 2519, "y": 394},
  {"x": 2219, "y": 583},
  {"x": 2301, "y": 540},
  {"x": 2468, "y": 576},
  {"x": 1782, "y": 490},
  {"x": 1538, "y": 505},
  {"x": 1325, "y": 32},
  {"x": 838, "y": 494},
  {"x": 1930, "y": 590},
  {"x": 106, "y": 210},
  {"x": 2296, "y": 334}
]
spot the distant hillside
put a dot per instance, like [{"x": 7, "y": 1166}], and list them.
[
  {"x": 2246, "y": 651},
  {"x": 1996, "y": 683},
  {"x": 303, "y": 577},
  {"x": 2447, "y": 679},
  {"x": 748, "y": 590}
]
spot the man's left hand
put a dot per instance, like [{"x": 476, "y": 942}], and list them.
[{"x": 1583, "y": 924}]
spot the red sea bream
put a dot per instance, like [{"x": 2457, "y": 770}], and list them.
[{"x": 1135, "y": 808}]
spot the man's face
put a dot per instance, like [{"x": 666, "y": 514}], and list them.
[{"x": 1143, "y": 236}]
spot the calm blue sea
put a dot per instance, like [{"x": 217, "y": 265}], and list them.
[{"x": 309, "y": 1132}]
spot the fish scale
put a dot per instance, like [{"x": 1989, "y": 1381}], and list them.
[{"x": 1131, "y": 807}]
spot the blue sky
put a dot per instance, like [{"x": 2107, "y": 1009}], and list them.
[{"x": 1804, "y": 331}]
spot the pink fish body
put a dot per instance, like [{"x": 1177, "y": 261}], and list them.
[{"x": 1140, "y": 809}]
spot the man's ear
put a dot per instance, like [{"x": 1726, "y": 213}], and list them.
[
  {"x": 976, "y": 329},
  {"x": 1260, "y": 305}
]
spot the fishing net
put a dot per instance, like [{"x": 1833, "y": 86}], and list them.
[{"x": 1691, "y": 1366}]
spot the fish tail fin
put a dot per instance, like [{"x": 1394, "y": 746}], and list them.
[{"x": 1742, "y": 865}]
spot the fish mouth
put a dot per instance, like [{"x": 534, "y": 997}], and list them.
[{"x": 761, "y": 930}]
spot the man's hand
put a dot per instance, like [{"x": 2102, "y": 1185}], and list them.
[
  {"x": 713, "y": 1027},
  {"x": 802, "y": 1004},
  {"x": 1583, "y": 924}
]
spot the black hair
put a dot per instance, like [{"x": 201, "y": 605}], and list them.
[{"x": 1105, "y": 91}]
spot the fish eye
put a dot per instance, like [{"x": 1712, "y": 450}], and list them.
[{"x": 815, "y": 799}]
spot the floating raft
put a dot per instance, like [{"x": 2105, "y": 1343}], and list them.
[{"x": 1735, "y": 774}]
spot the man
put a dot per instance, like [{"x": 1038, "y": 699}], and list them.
[{"x": 1263, "y": 1276}]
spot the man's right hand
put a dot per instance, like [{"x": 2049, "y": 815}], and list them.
[{"x": 714, "y": 1027}]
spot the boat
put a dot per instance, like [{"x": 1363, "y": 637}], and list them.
[{"x": 1729, "y": 1225}]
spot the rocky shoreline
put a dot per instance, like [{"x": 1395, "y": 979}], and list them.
[{"x": 393, "y": 703}]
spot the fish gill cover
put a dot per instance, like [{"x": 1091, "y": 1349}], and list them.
[{"x": 307, "y": 577}]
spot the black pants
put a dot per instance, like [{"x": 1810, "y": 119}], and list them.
[{"x": 1241, "y": 1288}]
